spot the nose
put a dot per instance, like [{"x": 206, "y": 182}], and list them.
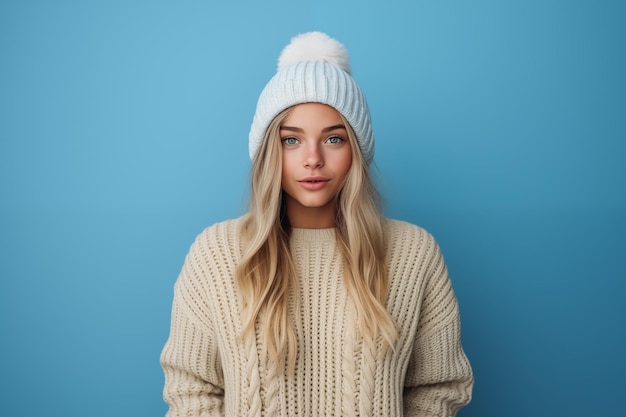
[{"x": 313, "y": 157}]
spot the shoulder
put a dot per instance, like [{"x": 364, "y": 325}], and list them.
[
  {"x": 216, "y": 245},
  {"x": 402, "y": 231},
  {"x": 407, "y": 242},
  {"x": 224, "y": 227},
  {"x": 213, "y": 256},
  {"x": 220, "y": 234}
]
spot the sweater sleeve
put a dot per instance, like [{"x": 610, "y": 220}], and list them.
[
  {"x": 439, "y": 378},
  {"x": 190, "y": 358}
]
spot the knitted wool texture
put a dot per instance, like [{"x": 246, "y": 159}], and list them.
[
  {"x": 211, "y": 371},
  {"x": 320, "y": 75}
]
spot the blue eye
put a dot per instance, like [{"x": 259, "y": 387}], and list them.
[
  {"x": 334, "y": 139},
  {"x": 290, "y": 141}
]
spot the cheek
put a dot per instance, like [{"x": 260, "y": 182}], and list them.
[
  {"x": 343, "y": 162},
  {"x": 287, "y": 165},
  {"x": 285, "y": 160}
]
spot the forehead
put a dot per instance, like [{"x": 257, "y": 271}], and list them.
[{"x": 312, "y": 115}]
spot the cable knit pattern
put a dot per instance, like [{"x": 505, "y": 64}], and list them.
[{"x": 211, "y": 371}]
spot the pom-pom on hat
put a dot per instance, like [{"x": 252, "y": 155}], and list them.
[{"x": 314, "y": 68}]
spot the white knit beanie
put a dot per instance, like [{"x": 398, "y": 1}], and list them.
[{"x": 314, "y": 68}]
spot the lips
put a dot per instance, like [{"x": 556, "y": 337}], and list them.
[{"x": 313, "y": 183}]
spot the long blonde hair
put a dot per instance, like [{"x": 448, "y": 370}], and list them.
[{"x": 266, "y": 274}]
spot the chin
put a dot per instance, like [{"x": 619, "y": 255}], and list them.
[{"x": 313, "y": 205}]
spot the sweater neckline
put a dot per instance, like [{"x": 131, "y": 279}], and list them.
[{"x": 314, "y": 235}]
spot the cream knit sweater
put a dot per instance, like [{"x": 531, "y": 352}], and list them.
[{"x": 210, "y": 371}]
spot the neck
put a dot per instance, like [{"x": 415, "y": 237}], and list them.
[{"x": 311, "y": 217}]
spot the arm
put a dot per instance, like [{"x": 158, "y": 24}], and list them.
[
  {"x": 191, "y": 363},
  {"x": 439, "y": 378}
]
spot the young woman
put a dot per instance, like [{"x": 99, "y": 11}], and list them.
[{"x": 314, "y": 304}]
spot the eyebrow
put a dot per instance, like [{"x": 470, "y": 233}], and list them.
[{"x": 325, "y": 130}]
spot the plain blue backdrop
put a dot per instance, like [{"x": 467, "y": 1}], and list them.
[{"x": 500, "y": 126}]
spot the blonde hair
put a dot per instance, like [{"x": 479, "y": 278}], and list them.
[{"x": 266, "y": 274}]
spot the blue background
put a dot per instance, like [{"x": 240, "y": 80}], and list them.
[{"x": 123, "y": 133}]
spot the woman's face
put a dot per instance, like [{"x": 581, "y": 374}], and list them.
[{"x": 316, "y": 159}]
